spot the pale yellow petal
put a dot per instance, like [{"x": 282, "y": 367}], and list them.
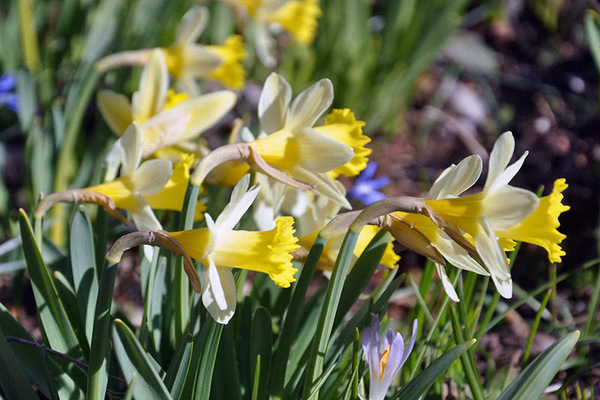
[
  {"x": 152, "y": 93},
  {"x": 191, "y": 25},
  {"x": 273, "y": 104},
  {"x": 115, "y": 109}
]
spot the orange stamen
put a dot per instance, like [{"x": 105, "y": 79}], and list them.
[{"x": 383, "y": 361}]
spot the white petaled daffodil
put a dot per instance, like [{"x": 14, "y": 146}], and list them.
[
  {"x": 221, "y": 248},
  {"x": 187, "y": 60},
  {"x": 290, "y": 142},
  {"x": 296, "y": 17},
  {"x": 136, "y": 181},
  {"x": 165, "y": 119}
]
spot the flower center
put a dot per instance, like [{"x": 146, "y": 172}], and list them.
[{"x": 383, "y": 361}]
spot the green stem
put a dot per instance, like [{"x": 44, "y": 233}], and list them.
[{"x": 534, "y": 328}]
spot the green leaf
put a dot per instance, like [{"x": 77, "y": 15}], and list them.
[
  {"x": 83, "y": 266},
  {"x": 327, "y": 315},
  {"x": 179, "y": 367},
  {"x": 134, "y": 359},
  {"x": 69, "y": 301},
  {"x": 13, "y": 379},
  {"x": 261, "y": 341},
  {"x": 414, "y": 389},
  {"x": 592, "y": 33},
  {"x": 100, "y": 347},
  {"x": 52, "y": 316},
  {"x": 205, "y": 351},
  {"x": 533, "y": 380}
]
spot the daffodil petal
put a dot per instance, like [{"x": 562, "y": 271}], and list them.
[
  {"x": 265, "y": 45},
  {"x": 448, "y": 288},
  {"x": 151, "y": 177},
  {"x": 199, "y": 61},
  {"x": 455, "y": 254},
  {"x": 323, "y": 184},
  {"x": 273, "y": 104},
  {"x": 163, "y": 130},
  {"x": 457, "y": 178},
  {"x": 492, "y": 255},
  {"x": 143, "y": 217},
  {"x": 506, "y": 176},
  {"x": 218, "y": 296},
  {"x": 191, "y": 26},
  {"x": 204, "y": 111},
  {"x": 309, "y": 105},
  {"x": 317, "y": 152},
  {"x": 188, "y": 84},
  {"x": 115, "y": 109},
  {"x": 154, "y": 84},
  {"x": 235, "y": 210},
  {"x": 504, "y": 286},
  {"x": 508, "y": 205},
  {"x": 131, "y": 149}
]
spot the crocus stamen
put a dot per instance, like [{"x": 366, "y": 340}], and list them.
[{"x": 383, "y": 361}]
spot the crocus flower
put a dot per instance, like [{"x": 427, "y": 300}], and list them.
[
  {"x": 164, "y": 118},
  {"x": 296, "y": 17},
  {"x": 366, "y": 188},
  {"x": 384, "y": 359},
  {"x": 221, "y": 248},
  {"x": 187, "y": 60},
  {"x": 8, "y": 96}
]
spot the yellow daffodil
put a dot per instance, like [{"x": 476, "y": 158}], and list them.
[
  {"x": 221, "y": 248},
  {"x": 164, "y": 118},
  {"x": 187, "y": 60},
  {"x": 296, "y": 17}
]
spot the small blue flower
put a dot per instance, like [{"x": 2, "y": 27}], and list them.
[
  {"x": 385, "y": 359},
  {"x": 8, "y": 84},
  {"x": 366, "y": 189}
]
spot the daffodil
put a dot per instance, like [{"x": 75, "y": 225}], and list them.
[
  {"x": 296, "y": 17},
  {"x": 187, "y": 60},
  {"x": 165, "y": 119},
  {"x": 128, "y": 192},
  {"x": 221, "y": 248},
  {"x": 385, "y": 359}
]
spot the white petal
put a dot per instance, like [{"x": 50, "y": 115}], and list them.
[
  {"x": 491, "y": 252},
  {"x": 246, "y": 136},
  {"x": 457, "y": 179},
  {"x": 506, "y": 176},
  {"x": 113, "y": 161},
  {"x": 263, "y": 216},
  {"x": 154, "y": 84},
  {"x": 273, "y": 104},
  {"x": 144, "y": 218},
  {"x": 318, "y": 153},
  {"x": 504, "y": 286},
  {"x": 204, "y": 111},
  {"x": 115, "y": 109},
  {"x": 148, "y": 251},
  {"x": 162, "y": 130},
  {"x": 457, "y": 255},
  {"x": 309, "y": 105},
  {"x": 235, "y": 210},
  {"x": 199, "y": 61},
  {"x": 131, "y": 149},
  {"x": 192, "y": 25},
  {"x": 508, "y": 206},
  {"x": 450, "y": 291},
  {"x": 265, "y": 45},
  {"x": 323, "y": 185},
  {"x": 188, "y": 84},
  {"x": 219, "y": 296},
  {"x": 500, "y": 157},
  {"x": 151, "y": 177}
]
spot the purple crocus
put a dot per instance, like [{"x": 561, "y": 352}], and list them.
[
  {"x": 385, "y": 359},
  {"x": 366, "y": 188},
  {"x": 7, "y": 96}
]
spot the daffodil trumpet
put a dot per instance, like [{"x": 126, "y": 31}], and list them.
[
  {"x": 242, "y": 152},
  {"x": 158, "y": 239}
]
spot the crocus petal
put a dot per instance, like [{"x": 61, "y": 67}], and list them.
[
  {"x": 394, "y": 360},
  {"x": 309, "y": 105},
  {"x": 319, "y": 153},
  {"x": 115, "y": 109},
  {"x": 219, "y": 296},
  {"x": 151, "y": 177},
  {"x": 154, "y": 84},
  {"x": 273, "y": 104},
  {"x": 448, "y": 288},
  {"x": 457, "y": 178},
  {"x": 191, "y": 26},
  {"x": 368, "y": 173}
]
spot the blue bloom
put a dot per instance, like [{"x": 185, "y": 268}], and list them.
[
  {"x": 8, "y": 84},
  {"x": 366, "y": 189},
  {"x": 385, "y": 359}
]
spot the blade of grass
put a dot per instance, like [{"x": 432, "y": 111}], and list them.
[{"x": 534, "y": 328}]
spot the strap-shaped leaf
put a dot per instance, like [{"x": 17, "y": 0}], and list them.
[
  {"x": 179, "y": 366},
  {"x": 261, "y": 343},
  {"x": 420, "y": 383},
  {"x": 13, "y": 379},
  {"x": 133, "y": 359},
  {"x": 533, "y": 380}
]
